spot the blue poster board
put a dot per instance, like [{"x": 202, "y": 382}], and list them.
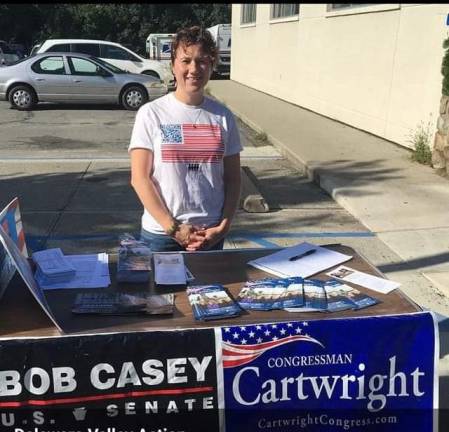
[{"x": 364, "y": 374}]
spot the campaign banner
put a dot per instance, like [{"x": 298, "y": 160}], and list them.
[
  {"x": 360, "y": 374},
  {"x": 161, "y": 381}
]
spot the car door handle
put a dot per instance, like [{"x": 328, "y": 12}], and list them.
[
  {"x": 77, "y": 80},
  {"x": 40, "y": 79}
]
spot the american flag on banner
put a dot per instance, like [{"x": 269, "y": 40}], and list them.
[
  {"x": 191, "y": 143},
  {"x": 243, "y": 344}
]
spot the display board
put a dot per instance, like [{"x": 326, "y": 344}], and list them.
[{"x": 364, "y": 374}]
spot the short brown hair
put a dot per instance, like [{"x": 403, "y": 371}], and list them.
[{"x": 192, "y": 36}]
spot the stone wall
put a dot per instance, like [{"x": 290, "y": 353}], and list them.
[{"x": 440, "y": 152}]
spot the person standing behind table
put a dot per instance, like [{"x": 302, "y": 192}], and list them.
[{"x": 185, "y": 155}]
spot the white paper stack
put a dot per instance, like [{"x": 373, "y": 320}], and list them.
[
  {"x": 53, "y": 266},
  {"x": 304, "y": 260}
]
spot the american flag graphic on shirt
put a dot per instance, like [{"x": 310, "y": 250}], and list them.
[
  {"x": 191, "y": 143},
  {"x": 243, "y": 344}
]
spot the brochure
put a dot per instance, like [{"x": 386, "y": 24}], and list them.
[
  {"x": 92, "y": 271},
  {"x": 314, "y": 295},
  {"x": 360, "y": 299},
  {"x": 211, "y": 302},
  {"x": 337, "y": 297},
  {"x": 134, "y": 260},
  {"x": 271, "y": 293},
  {"x": 304, "y": 260},
  {"x": 123, "y": 304},
  {"x": 366, "y": 280},
  {"x": 169, "y": 269},
  {"x": 53, "y": 266}
]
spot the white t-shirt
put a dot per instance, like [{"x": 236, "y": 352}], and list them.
[{"x": 188, "y": 145}]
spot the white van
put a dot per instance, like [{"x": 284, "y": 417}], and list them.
[
  {"x": 113, "y": 53},
  {"x": 222, "y": 37}
]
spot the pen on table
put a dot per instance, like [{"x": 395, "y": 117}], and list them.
[{"x": 297, "y": 257}]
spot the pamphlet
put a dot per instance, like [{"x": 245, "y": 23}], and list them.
[
  {"x": 366, "y": 280},
  {"x": 337, "y": 297},
  {"x": 92, "y": 271},
  {"x": 53, "y": 266},
  {"x": 211, "y": 302},
  {"x": 360, "y": 299},
  {"x": 304, "y": 260},
  {"x": 271, "y": 293},
  {"x": 134, "y": 260},
  {"x": 123, "y": 304},
  {"x": 169, "y": 269},
  {"x": 314, "y": 295},
  {"x": 263, "y": 297}
]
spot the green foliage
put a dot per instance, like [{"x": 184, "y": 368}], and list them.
[
  {"x": 126, "y": 23},
  {"x": 445, "y": 68},
  {"x": 421, "y": 138}
]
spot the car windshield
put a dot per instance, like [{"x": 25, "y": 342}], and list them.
[
  {"x": 109, "y": 66},
  {"x": 18, "y": 61}
]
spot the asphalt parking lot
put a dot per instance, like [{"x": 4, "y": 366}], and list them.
[{"x": 69, "y": 166}]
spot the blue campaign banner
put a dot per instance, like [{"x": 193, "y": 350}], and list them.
[{"x": 361, "y": 374}]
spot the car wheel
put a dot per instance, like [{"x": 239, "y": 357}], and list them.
[
  {"x": 134, "y": 97},
  {"x": 22, "y": 98},
  {"x": 151, "y": 73}
]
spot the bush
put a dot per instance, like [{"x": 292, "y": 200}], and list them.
[
  {"x": 445, "y": 68},
  {"x": 420, "y": 138}
]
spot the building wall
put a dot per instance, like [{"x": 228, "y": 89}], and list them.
[{"x": 376, "y": 68}]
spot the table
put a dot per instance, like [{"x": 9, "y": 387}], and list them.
[{"x": 22, "y": 316}]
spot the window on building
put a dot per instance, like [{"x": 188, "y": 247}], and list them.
[
  {"x": 248, "y": 14},
  {"x": 343, "y": 6},
  {"x": 284, "y": 10}
]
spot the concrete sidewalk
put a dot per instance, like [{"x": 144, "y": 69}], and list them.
[{"x": 404, "y": 203}]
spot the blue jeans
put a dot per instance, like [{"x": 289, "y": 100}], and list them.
[{"x": 164, "y": 243}]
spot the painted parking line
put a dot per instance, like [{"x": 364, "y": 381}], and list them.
[{"x": 261, "y": 238}]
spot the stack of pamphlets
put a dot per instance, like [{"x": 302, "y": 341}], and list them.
[
  {"x": 134, "y": 260},
  {"x": 101, "y": 303},
  {"x": 211, "y": 302},
  {"x": 52, "y": 266},
  {"x": 271, "y": 293},
  {"x": 331, "y": 296},
  {"x": 295, "y": 294}
]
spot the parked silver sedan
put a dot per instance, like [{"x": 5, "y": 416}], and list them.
[{"x": 74, "y": 78}]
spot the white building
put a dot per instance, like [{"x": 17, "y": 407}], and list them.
[{"x": 376, "y": 67}]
